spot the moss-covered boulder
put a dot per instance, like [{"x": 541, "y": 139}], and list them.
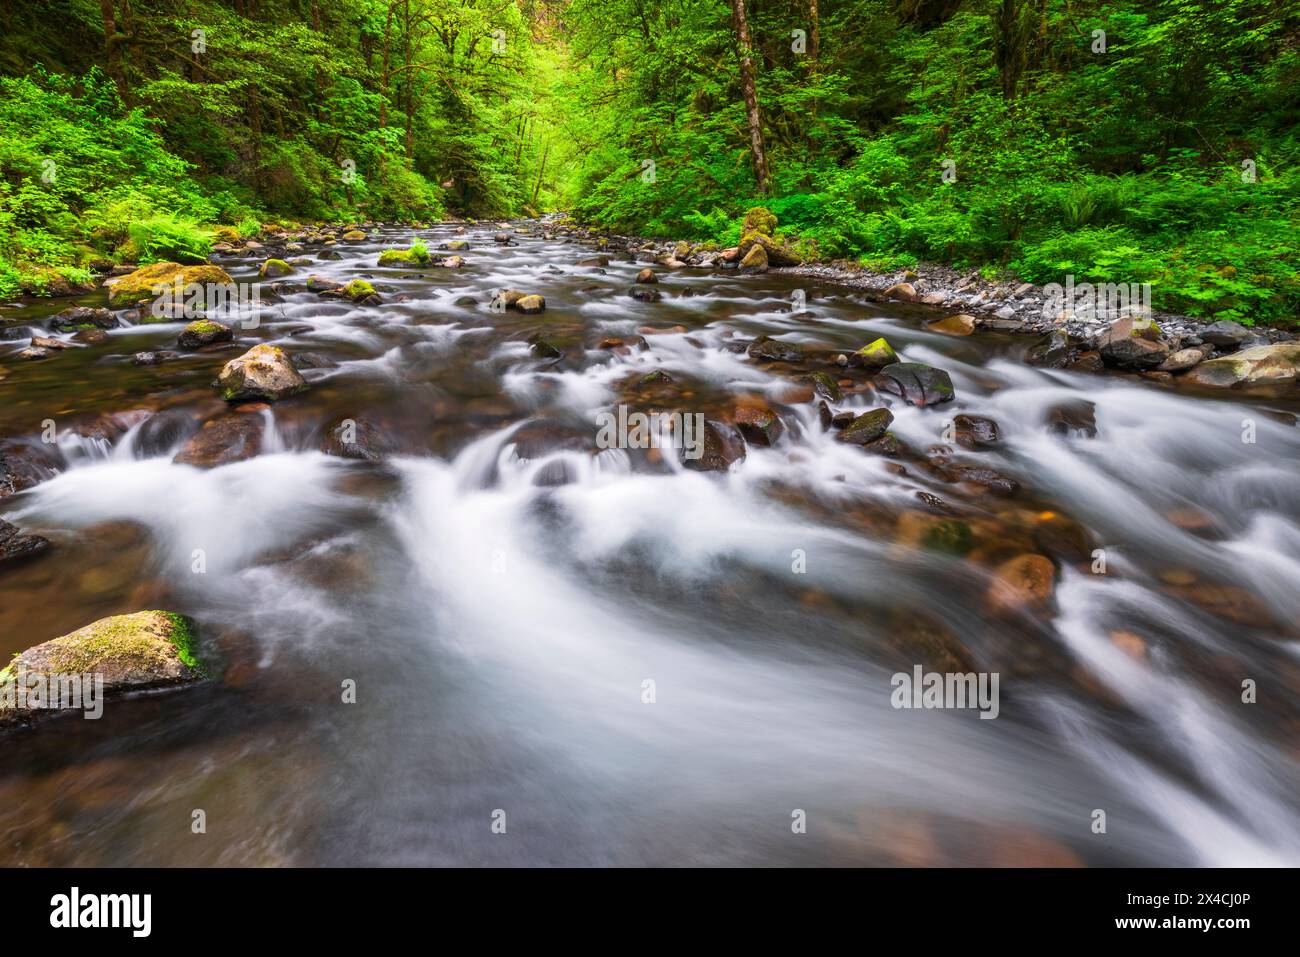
[
  {"x": 875, "y": 355},
  {"x": 1276, "y": 364},
  {"x": 867, "y": 427},
  {"x": 755, "y": 260},
  {"x": 530, "y": 304},
  {"x": 274, "y": 269},
  {"x": 144, "y": 285},
  {"x": 263, "y": 372},
  {"x": 415, "y": 256},
  {"x": 760, "y": 219},
  {"x": 354, "y": 236},
  {"x": 147, "y": 649},
  {"x": 204, "y": 332}
]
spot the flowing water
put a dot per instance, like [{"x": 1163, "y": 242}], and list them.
[{"x": 501, "y": 591}]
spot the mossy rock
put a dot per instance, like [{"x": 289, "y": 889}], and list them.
[
  {"x": 204, "y": 332},
  {"x": 876, "y": 355},
  {"x": 138, "y": 288},
  {"x": 404, "y": 257},
  {"x": 826, "y": 386},
  {"x": 147, "y": 649},
  {"x": 274, "y": 268},
  {"x": 354, "y": 236},
  {"x": 226, "y": 234},
  {"x": 358, "y": 290},
  {"x": 761, "y": 220}
]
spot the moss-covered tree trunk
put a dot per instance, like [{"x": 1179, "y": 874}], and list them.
[{"x": 744, "y": 49}]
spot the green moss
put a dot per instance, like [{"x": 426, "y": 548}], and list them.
[
  {"x": 205, "y": 327},
  {"x": 949, "y": 535},
  {"x": 358, "y": 289},
  {"x": 878, "y": 353},
  {"x": 140, "y": 639},
  {"x": 761, "y": 220},
  {"x": 273, "y": 268},
  {"x": 415, "y": 256}
]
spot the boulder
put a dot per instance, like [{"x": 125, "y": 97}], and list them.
[
  {"x": 759, "y": 425},
  {"x": 144, "y": 650},
  {"x": 414, "y": 256},
  {"x": 1181, "y": 360},
  {"x": 1132, "y": 344},
  {"x": 647, "y": 275},
  {"x": 645, "y": 294},
  {"x": 918, "y": 383},
  {"x": 357, "y": 438},
  {"x": 531, "y": 304},
  {"x": 353, "y": 236},
  {"x": 1226, "y": 334},
  {"x": 958, "y": 325},
  {"x": 1021, "y": 583},
  {"x": 976, "y": 430},
  {"x": 274, "y": 269},
  {"x": 1273, "y": 364},
  {"x": 138, "y": 287},
  {"x": 228, "y": 437},
  {"x": 723, "y": 447},
  {"x": 902, "y": 291},
  {"x": 263, "y": 372},
  {"x": 755, "y": 261},
  {"x": 826, "y": 385}
]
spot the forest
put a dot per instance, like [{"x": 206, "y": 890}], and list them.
[{"x": 1113, "y": 140}]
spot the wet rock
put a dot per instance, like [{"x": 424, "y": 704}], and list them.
[
  {"x": 827, "y": 386},
  {"x": 320, "y": 284},
  {"x": 976, "y": 430},
  {"x": 153, "y": 358},
  {"x": 1089, "y": 361},
  {"x": 1073, "y": 417},
  {"x": 163, "y": 431},
  {"x": 1052, "y": 351},
  {"x": 902, "y": 291},
  {"x": 1022, "y": 583},
  {"x": 645, "y": 294},
  {"x": 312, "y": 360},
  {"x": 274, "y": 269},
  {"x": 934, "y": 532},
  {"x": 774, "y": 350},
  {"x": 453, "y": 262},
  {"x": 204, "y": 332},
  {"x": 455, "y": 245},
  {"x": 353, "y": 236},
  {"x": 228, "y": 437},
  {"x": 502, "y": 239},
  {"x": 25, "y": 464},
  {"x": 360, "y": 438},
  {"x": 887, "y": 445},
  {"x": 531, "y": 304},
  {"x": 599, "y": 262},
  {"x": 263, "y": 372},
  {"x": 83, "y": 317},
  {"x": 329, "y": 255},
  {"x": 990, "y": 479},
  {"x": 1272, "y": 364},
  {"x": 958, "y": 325},
  {"x": 1228, "y": 602},
  {"x": 867, "y": 427},
  {"x": 148, "y": 649},
  {"x": 32, "y": 353},
  {"x": 723, "y": 447},
  {"x": 53, "y": 345},
  {"x": 874, "y": 355},
  {"x": 543, "y": 348},
  {"x": 920, "y": 384},
  {"x": 1062, "y": 538},
  {"x": 774, "y": 254},
  {"x": 647, "y": 275},
  {"x": 14, "y": 545},
  {"x": 759, "y": 425},
  {"x": 90, "y": 337},
  {"x": 413, "y": 256}
]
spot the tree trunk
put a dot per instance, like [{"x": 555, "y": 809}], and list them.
[
  {"x": 113, "y": 47},
  {"x": 757, "y": 151},
  {"x": 814, "y": 32}
]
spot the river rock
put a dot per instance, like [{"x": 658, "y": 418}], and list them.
[
  {"x": 162, "y": 432},
  {"x": 147, "y": 649},
  {"x": 755, "y": 261},
  {"x": 1073, "y": 417},
  {"x": 203, "y": 332},
  {"x": 647, "y": 275},
  {"x": 14, "y": 545},
  {"x": 723, "y": 447},
  {"x": 1181, "y": 360},
  {"x": 774, "y": 350},
  {"x": 874, "y": 355},
  {"x": 1051, "y": 351},
  {"x": 826, "y": 385},
  {"x": 918, "y": 383},
  {"x": 138, "y": 287},
  {"x": 274, "y": 269},
  {"x": 976, "y": 430},
  {"x": 902, "y": 291},
  {"x": 1132, "y": 344},
  {"x": 1226, "y": 334},
  {"x": 227, "y": 437},
  {"x": 1024, "y": 582},
  {"x": 867, "y": 427},
  {"x": 83, "y": 317},
  {"x": 359, "y": 438},
  {"x": 1273, "y": 364},
  {"x": 530, "y": 304},
  {"x": 958, "y": 325},
  {"x": 759, "y": 425},
  {"x": 263, "y": 372}
]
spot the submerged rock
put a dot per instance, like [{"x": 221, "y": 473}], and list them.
[
  {"x": 1024, "y": 582},
  {"x": 759, "y": 425},
  {"x": 14, "y": 545},
  {"x": 723, "y": 447},
  {"x": 263, "y": 372},
  {"x": 976, "y": 430},
  {"x": 228, "y": 437},
  {"x": 359, "y": 438}
]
